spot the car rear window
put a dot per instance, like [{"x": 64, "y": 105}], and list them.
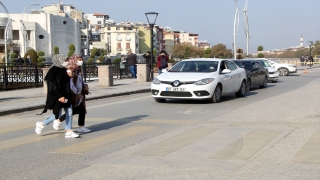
[{"x": 195, "y": 66}]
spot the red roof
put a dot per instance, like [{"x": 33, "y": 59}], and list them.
[{"x": 99, "y": 14}]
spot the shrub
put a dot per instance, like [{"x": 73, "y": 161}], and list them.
[
  {"x": 13, "y": 55},
  {"x": 101, "y": 58},
  {"x": 71, "y": 50},
  {"x": 117, "y": 60},
  {"x": 33, "y": 55},
  {"x": 90, "y": 60},
  {"x": 40, "y": 53},
  {"x": 56, "y": 50}
]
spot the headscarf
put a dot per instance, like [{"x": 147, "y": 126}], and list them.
[
  {"x": 58, "y": 60},
  {"x": 73, "y": 60}
]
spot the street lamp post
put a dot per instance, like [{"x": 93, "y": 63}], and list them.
[
  {"x": 6, "y": 33},
  {"x": 310, "y": 45},
  {"x": 154, "y": 16},
  {"x": 24, "y": 30},
  {"x": 246, "y": 27},
  {"x": 235, "y": 28}
]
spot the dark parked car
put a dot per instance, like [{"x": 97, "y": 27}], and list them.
[{"x": 257, "y": 75}]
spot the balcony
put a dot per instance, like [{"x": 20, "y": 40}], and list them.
[
  {"x": 3, "y": 42},
  {"x": 119, "y": 38},
  {"x": 128, "y": 38},
  {"x": 119, "y": 49}
]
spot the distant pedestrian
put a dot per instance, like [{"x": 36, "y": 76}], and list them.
[
  {"x": 108, "y": 60},
  {"x": 162, "y": 61},
  {"x": 28, "y": 60},
  {"x": 132, "y": 62},
  {"x": 58, "y": 95},
  {"x": 20, "y": 61},
  {"x": 310, "y": 60},
  {"x": 302, "y": 60},
  {"x": 147, "y": 56}
]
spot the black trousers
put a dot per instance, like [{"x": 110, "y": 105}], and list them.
[{"x": 79, "y": 110}]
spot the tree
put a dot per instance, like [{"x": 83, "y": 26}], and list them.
[
  {"x": 260, "y": 55},
  {"x": 72, "y": 48},
  {"x": 186, "y": 52},
  {"x": 13, "y": 57},
  {"x": 56, "y": 50},
  {"x": 92, "y": 55},
  {"x": 316, "y": 48},
  {"x": 33, "y": 56},
  {"x": 220, "y": 51},
  {"x": 207, "y": 53},
  {"x": 178, "y": 50},
  {"x": 260, "y": 48},
  {"x": 41, "y": 58}
]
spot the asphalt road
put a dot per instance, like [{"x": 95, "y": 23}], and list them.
[{"x": 272, "y": 133}]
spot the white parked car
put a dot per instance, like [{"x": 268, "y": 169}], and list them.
[
  {"x": 273, "y": 73},
  {"x": 203, "y": 78},
  {"x": 283, "y": 69}
]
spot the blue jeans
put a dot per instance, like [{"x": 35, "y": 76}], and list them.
[
  {"x": 68, "y": 121},
  {"x": 133, "y": 70},
  {"x": 160, "y": 70}
]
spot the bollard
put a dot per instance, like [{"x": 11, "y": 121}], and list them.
[
  {"x": 44, "y": 73},
  {"x": 142, "y": 72},
  {"x": 105, "y": 76}
]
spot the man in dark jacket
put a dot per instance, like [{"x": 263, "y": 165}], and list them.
[
  {"x": 58, "y": 95},
  {"x": 108, "y": 61},
  {"x": 132, "y": 61},
  {"x": 147, "y": 56},
  {"x": 20, "y": 61}
]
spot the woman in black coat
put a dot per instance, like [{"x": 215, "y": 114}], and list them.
[{"x": 58, "y": 95}]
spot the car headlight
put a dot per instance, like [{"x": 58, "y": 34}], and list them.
[
  {"x": 156, "y": 81},
  {"x": 204, "y": 81}
]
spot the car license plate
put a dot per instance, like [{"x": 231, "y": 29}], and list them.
[{"x": 175, "y": 89}]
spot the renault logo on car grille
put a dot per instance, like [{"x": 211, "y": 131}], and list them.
[{"x": 176, "y": 83}]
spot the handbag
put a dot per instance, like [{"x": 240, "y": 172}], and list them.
[{"x": 85, "y": 89}]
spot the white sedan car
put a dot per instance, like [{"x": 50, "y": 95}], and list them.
[
  {"x": 283, "y": 69},
  {"x": 203, "y": 78}
]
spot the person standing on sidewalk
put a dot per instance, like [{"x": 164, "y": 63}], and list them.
[
  {"x": 132, "y": 62},
  {"x": 78, "y": 100},
  {"x": 147, "y": 56},
  {"x": 162, "y": 61},
  {"x": 58, "y": 95}
]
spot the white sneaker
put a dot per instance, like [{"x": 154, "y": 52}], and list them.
[
  {"x": 83, "y": 130},
  {"x": 39, "y": 127},
  {"x": 56, "y": 124},
  {"x": 71, "y": 134}
]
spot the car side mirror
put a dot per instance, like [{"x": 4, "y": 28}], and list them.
[{"x": 226, "y": 71}]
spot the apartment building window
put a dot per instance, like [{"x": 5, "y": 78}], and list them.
[
  {"x": 99, "y": 22},
  {"x": 109, "y": 28},
  {"x": 118, "y": 28},
  {"x": 119, "y": 46},
  {"x": 128, "y": 37},
  {"x": 127, "y": 46},
  {"x": 119, "y": 37}
]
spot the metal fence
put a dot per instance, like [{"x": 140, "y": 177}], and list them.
[{"x": 21, "y": 76}]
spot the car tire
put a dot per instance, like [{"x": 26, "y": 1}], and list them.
[
  {"x": 283, "y": 71},
  {"x": 248, "y": 86},
  {"x": 216, "y": 97},
  {"x": 159, "y": 100},
  {"x": 265, "y": 83},
  {"x": 242, "y": 90}
]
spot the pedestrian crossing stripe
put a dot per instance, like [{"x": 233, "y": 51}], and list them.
[
  {"x": 310, "y": 152},
  {"x": 94, "y": 143},
  {"x": 17, "y": 127},
  {"x": 27, "y": 139},
  {"x": 247, "y": 146},
  {"x": 174, "y": 143}
]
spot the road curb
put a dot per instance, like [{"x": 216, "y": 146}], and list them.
[{"x": 35, "y": 107}]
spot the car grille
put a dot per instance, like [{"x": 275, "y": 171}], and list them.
[{"x": 176, "y": 94}]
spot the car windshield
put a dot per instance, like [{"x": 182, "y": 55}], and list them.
[
  {"x": 195, "y": 66},
  {"x": 243, "y": 64},
  {"x": 264, "y": 63}
]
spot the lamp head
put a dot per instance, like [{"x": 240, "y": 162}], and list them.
[
  {"x": 153, "y": 17},
  {"x": 310, "y": 43}
]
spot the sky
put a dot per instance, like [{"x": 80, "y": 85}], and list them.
[{"x": 273, "y": 24}]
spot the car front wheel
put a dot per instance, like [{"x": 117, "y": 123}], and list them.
[
  {"x": 216, "y": 97},
  {"x": 242, "y": 90},
  {"x": 283, "y": 71}
]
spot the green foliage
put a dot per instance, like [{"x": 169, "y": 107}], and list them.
[
  {"x": 260, "y": 48},
  {"x": 90, "y": 60},
  {"x": 33, "y": 56},
  {"x": 220, "y": 51},
  {"x": 41, "y": 53},
  {"x": 72, "y": 48},
  {"x": 40, "y": 60},
  {"x": 239, "y": 51},
  {"x": 93, "y": 52},
  {"x": 316, "y": 48},
  {"x": 13, "y": 55},
  {"x": 207, "y": 51},
  {"x": 186, "y": 52},
  {"x": 101, "y": 58},
  {"x": 101, "y": 52},
  {"x": 260, "y": 55},
  {"x": 171, "y": 61},
  {"x": 117, "y": 60},
  {"x": 55, "y": 50},
  {"x": 206, "y": 55}
]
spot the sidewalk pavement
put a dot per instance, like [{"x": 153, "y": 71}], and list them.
[{"x": 16, "y": 101}]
